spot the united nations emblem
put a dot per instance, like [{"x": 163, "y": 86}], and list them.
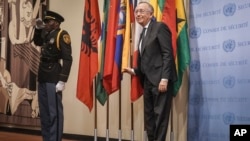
[
  {"x": 195, "y": 32},
  {"x": 195, "y": 66},
  {"x": 229, "y": 45},
  {"x": 196, "y": 99},
  {"x": 228, "y": 118},
  {"x": 229, "y": 9},
  {"x": 66, "y": 39},
  {"x": 195, "y": 2},
  {"x": 229, "y": 81}
]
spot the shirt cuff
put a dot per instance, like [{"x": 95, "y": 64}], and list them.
[
  {"x": 164, "y": 79},
  {"x": 133, "y": 71}
]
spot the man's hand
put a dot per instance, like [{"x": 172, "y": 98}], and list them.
[
  {"x": 163, "y": 85},
  {"x": 129, "y": 70},
  {"x": 60, "y": 86}
]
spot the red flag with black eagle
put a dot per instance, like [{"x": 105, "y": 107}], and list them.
[{"x": 88, "y": 64}]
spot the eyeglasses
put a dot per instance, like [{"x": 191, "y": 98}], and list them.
[{"x": 141, "y": 11}]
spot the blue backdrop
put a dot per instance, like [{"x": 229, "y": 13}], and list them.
[{"x": 219, "y": 69}]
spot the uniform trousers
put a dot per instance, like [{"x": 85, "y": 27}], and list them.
[
  {"x": 51, "y": 112},
  {"x": 156, "y": 110}
]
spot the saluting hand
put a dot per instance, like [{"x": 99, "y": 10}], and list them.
[{"x": 38, "y": 23}]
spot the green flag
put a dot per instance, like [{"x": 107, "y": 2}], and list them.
[
  {"x": 101, "y": 94},
  {"x": 183, "y": 51},
  {"x": 158, "y": 6}
]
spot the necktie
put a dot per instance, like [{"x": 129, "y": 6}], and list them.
[
  {"x": 141, "y": 38},
  {"x": 143, "y": 33}
]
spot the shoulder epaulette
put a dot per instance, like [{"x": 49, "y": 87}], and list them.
[{"x": 58, "y": 39}]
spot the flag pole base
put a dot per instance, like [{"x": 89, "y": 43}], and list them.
[
  {"x": 145, "y": 136},
  {"x": 120, "y": 135},
  {"x": 95, "y": 135},
  {"x": 107, "y": 135},
  {"x": 132, "y": 135},
  {"x": 172, "y": 136}
]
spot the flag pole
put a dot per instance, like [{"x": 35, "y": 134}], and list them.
[
  {"x": 132, "y": 121},
  {"x": 120, "y": 131},
  {"x": 132, "y": 104},
  {"x": 95, "y": 130},
  {"x": 145, "y": 134},
  {"x": 107, "y": 120},
  {"x": 172, "y": 123}
]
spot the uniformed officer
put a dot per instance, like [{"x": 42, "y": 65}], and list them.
[{"x": 54, "y": 69}]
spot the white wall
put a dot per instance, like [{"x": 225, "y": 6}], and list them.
[
  {"x": 75, "y": 112},
  {"x": 78, "y": 119}
]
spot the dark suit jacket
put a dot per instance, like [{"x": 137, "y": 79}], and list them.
[
  {"x": 156, "y": 60},
  {"x": 54, "y": 48}
]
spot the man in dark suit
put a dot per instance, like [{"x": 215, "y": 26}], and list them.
[
  {"x": 156, "y": 69},
  {"x": 53, "y": 73}
]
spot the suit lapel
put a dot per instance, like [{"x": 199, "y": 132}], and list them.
[{"x": 146, "y": 38}]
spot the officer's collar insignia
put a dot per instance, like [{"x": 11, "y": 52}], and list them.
[{"x": 66, "y": 39}]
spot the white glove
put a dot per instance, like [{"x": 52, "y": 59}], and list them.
[
  {"x": 40, "y": 24},
  {"x": 60, "y": 86}
]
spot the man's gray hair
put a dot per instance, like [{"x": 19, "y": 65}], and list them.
[{"x": 151, "y": 8}]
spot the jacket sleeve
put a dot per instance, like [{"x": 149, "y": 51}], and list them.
[
  {"x": 165, "y": 41},
  {"x": 38, "y": 40},
  {"x": 66, "y": 51}
]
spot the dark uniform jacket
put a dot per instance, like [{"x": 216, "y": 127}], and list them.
[
  {"x": 55, "y": 46},
  {"x": 156, "y": 60}
]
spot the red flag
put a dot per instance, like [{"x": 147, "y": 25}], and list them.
[
  {"x": 168, "y": 17},
  {"x": 116, "y": 75},
  {"x": 88, "y": 64},
  {"x": 136, "y": 87},
  {"x": 131, "y": 8},
  {"x": 110, "y": 46}
]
